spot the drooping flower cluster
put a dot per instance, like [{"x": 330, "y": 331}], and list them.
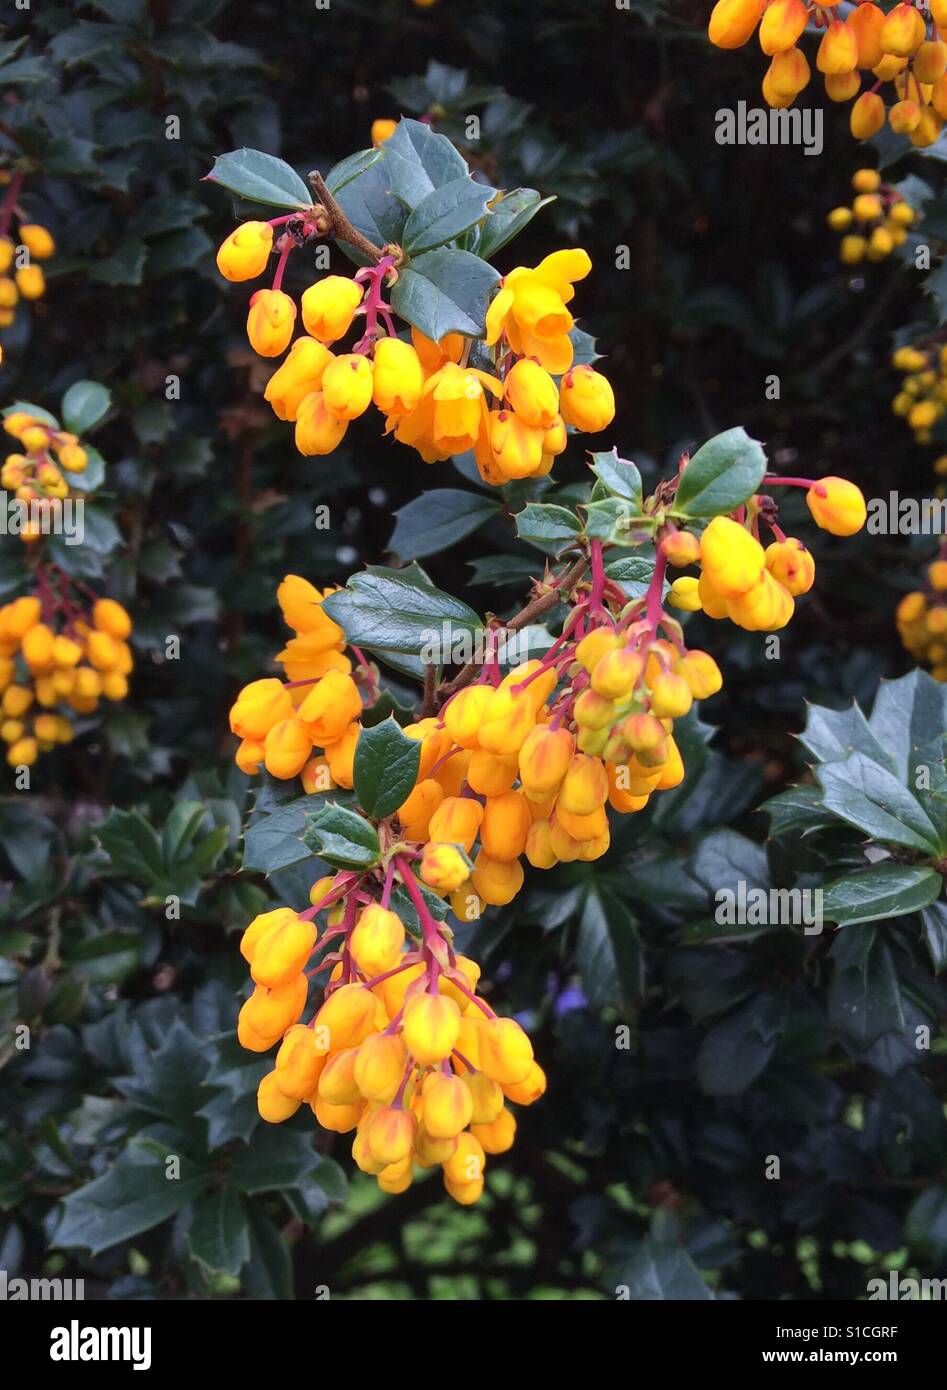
[
  {"x": 904, "y": 46},
  {"x": 922, "y": 618},
  {"x": 756, "y": 588},
  {"x": 514, "y": 418},
  {"x": 402, "y": 1053},
  {"x": 875, "y": 224},
  {"x": 57, "y": 658},
  {"x": 35, "y": 475},
  {"x": 22, "y": 243},
  {"x": 281, "y": 725},
  {"x": 922, "y": 396}
]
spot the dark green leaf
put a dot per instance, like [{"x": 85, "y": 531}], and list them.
[
  {"x": 84, "y": 405},
  {"x": 342, "y": 837},
  {"x": 884, "y": 890},
  {"x": 445, "y": 291},
  {"x": 435, "y": 520},
  {"x": 445, "y": 214},
  {"x": 722, "y": 475},
  {"x": 218, "y": 1236},
  {"x": 386, "y": 768},
  {"x": 260, "y": 178}
]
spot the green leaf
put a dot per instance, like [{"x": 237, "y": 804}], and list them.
[
  {"x": 633, "y": 573},
  {"x": 133, "y": 846},
  {"x": 386, "y": 768},
  {"x": 615, "y": 520},
  {"x": 620, "y": 476},
  {"x": 436, "y": 520},
  {"x": 884, "y": 890},
  {"x": 608, "y": 951},
  {"x": 831, "y": 734},
  {"x": 722, "y": 475},
  {"x": 870, "y": 798},
  {"x": 274, "y": 841},
  {"x": 925, "y": 1225},
  {"x": 445, "y": 291},
  {"x": 132, "y": 1196},
  {"x": 908, "y": 715},
  {"x": 274, "y": 1159},
  {"x": 342, "y": 174},
  {"x": 417, "y": 161},
  {"x": 342, "y": 837},
  {"x": 547, "y": 525},
  {"x": 445, "y": 214},
  {"x": 735, "y": 1051},
  {"x": 218, "y": 1236},
  {"x": 92, "y": 476},
  {"x": 797, "y": 811},
  {"x": 510, "y": 214},
  {"x": 260, "y": 178},
  {"x": 934, "y": 932},
  {"x": 84, "y": 405},
  {"x": 399, "y": 614},
  {"x": 864, "y": 994},
  {"x": 269, "y": 1274},
  {"x": 655, "y": 1272}
]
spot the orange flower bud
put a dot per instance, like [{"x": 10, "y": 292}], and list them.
[
  {"x": 585, "y": 786},
  {"x": 379, "y": 1067},
  {"x": 732, "y": 22},
  {"x": 244, "y": 254},
  {"x": 448, "y": 1105},
  {"x": 506, "y": 822},
  {"x": 532, "y": 392},
  {"x": 287, "y": 748},
  {"x": 317, "y": 432},
  {"x": 497, "y": 881},
  {"x": 444, "y": 866},
  {"x": 297, "y": 377},
  {"x": 331, "y": 705},
  {"x": 456, "y": 821},
  {"x": 377, "y": 940},
  {"x": 782, "y": 24},
  {"x": 506, "y": 1053},
  {"x": 498, "y": 1136},
  {"x": 299, "y": 1062},
  {"x": 273, "y": 1104},
  {"x": 328, "y": 307},
  {"x": 281, "y": 943},
  {"x": 838, "y": 51},
  {"x": 544, "y": 759},
  {"x": 837, "y": 506},
  {"x": 347, "y": 386},
  {"x": 348, "y": 1015},
  {"x": 791, "y": 564},
  {"x": 337, "y": 1079},
  {"x": 586, "y": 400},
  {"x": 701, "y": 673}
]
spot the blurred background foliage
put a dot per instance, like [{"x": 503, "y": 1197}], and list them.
[{"x": 644, "y": 1165}]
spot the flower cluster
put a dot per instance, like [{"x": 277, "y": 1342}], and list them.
[
  {"x": 35, "y": 475},
  {"x": 282, "y": 724},
  {"x": 755, "y": 587},
  {"x": 57, "y": 658},
  {"x": 922, "y": 396},
  {"x": 880, "y": 216},
  {"x": 514, "y": 418},
  {"x": 895, "y": 47},
  {"x": 402, "y": 1052},
  {"x": 20, "y": 278},
  {"x": 922, "y": 618}
]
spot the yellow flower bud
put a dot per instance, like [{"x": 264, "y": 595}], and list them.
[
  {"x": 466, "y": 1165},
  {"x": 701, "y": 673},
  {"x": 585, "y": 786},
  {"x": 544, "y": 759},
  {"x": 532, "y": 393},
  {"x": 348, "y": 1015},
  {"x": 496, "y": 881},
  {"x": 379, "y": 1067},
  {"x": 30, "y": 282},
  {"x": 670, "y": 696},
  {"x": 398, "y": 378},
  {"x": 23, "y": 753},
  {"x": 299, "y": 1062},
  {"x": 259, "y": 706},
  {"x": 270, "y": 322},
  {"x": 587, "y": 400},
  {"x": 506, "y": 822},
  {"x": 506, "y": 1053},
  {"x": 732, "y": 22},
  {"x": 903, "y": 31},
  {"x": 273, "y": 1104},
  {"x": 287, "y": 748},
  {"x": 347, "y": 386},
  {"x": 867, "y": 116},
  {"x": 243, "y": 256},
  {"x": 508, "y": 717},
  {"x": 337, "y": 1085},
  {"x": 282, "y": 943},
  {"x": 391, "y": 1133},
  {"x": 444, "y": 866},
  {"x": 837, "y": 506},
  {"x": 332, "y": 704},
  {"x": 382, "y": 130},
  {"x": 867, "y": 21},
  {"x": 328, "y": 307},
  {"x": 37, "y": 240},
  {"x": 377, "y": 940},
  {"x": 791, "y": 564},
  {"x": 317, "y": 432},
  {"x": 448, "y": 1105},
  {"x": 517, "y": 446},
  {"x": 731, "y": 558},
  {"x": 782, "y": 24},
  {"x": 528, "y": 1091},
  {"x": 297, "y": 377},
  {"x": 267, "y": 1014},
  {"x": 431, "y": 1027}
]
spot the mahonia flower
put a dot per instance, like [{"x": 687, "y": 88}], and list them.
[
  {"x": 55, "y": 657},
  {"x": 515, "y": 418},
  {"x": 894, "y": 47},
  {"x": 20, "y": 277},
  {"x": 922, "y": 397},
  {"x": 922, "y": 618},
  {"x": 35, "y": 475},
  {"x": 880, "y": 215}
]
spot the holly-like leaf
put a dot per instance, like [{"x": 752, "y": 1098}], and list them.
[
  {"x": 260, "y": 178},
  {"x": 620, "y": 476},
  {"x": 608, "y": 953},
  {"x": 547, "y": 525},
  {"x": 883, "y": 890},
  {"x": 510, "y": 214},
  {"x": 386, "y": 768},
  {"x": 445, "y": 214},
  {"x": 342, "y": 837},
  {"x": 218, "y": 1236},
  {"x": 417, "y": 161},
  {"x": 722, "y": 475},
  {"x": 445, "y": 291},
  {"x": 435, "y": 520}
]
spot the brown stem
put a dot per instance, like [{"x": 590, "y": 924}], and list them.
[
  {"x": 536, "y": 607},
  {"x": 339, "y": 225},
  {"x": 429, "y": 703}
]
